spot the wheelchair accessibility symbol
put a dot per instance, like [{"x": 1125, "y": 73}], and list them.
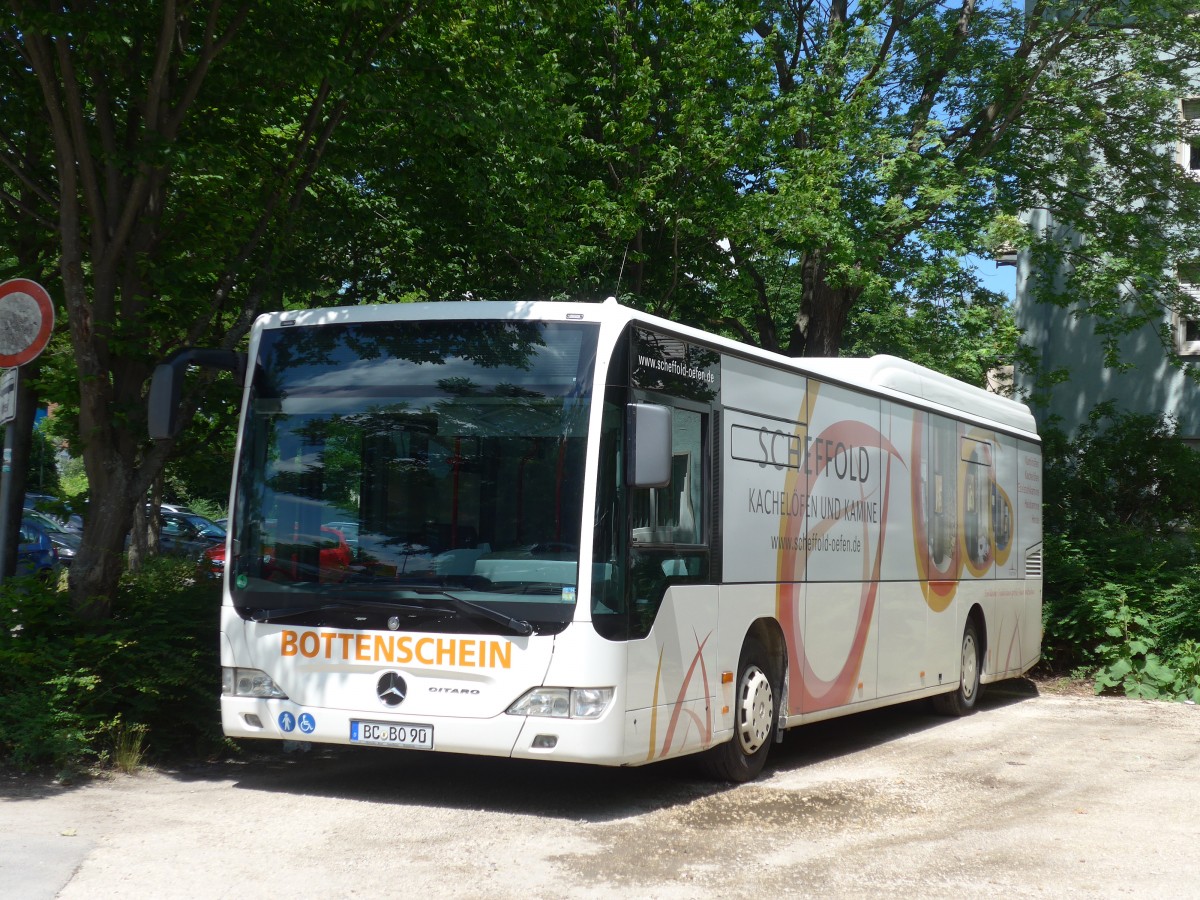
[{"x": 307, "y": 723}]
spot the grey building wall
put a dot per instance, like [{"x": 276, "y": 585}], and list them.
[{"x": 1063, "y": 340}]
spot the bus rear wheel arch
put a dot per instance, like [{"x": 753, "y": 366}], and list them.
[{"x": 756, "y": 714}]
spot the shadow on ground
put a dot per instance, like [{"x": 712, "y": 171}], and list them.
[{"x": 565, "y": 790}]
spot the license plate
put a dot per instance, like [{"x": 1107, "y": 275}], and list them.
[{"x": 391, "y": 734}]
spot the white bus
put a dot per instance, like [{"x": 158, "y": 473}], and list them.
[{"x": 573, "y": 531}]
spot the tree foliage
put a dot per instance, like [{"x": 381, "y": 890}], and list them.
[
  {"x": 1102, "y": 172},
  {"x": 163, "y": 150},
  {"x": 803, "y": 175},
  {"x": 73, "y": 691},
  {"x": 1122, "y": 598}
]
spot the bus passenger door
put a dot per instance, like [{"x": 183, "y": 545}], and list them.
[{"x": 673, "y": 603}]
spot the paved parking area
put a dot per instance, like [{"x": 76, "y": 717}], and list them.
[{"x": 1034, "y": 796}]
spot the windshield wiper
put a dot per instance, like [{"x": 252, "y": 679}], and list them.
[
  {"x": 279, "y": 613},
  {"x": 466, "y": 607}
]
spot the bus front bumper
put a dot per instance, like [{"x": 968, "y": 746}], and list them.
[{"x": 597, "y": 741}]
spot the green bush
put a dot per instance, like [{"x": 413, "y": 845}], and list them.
[
  {"x": 146, "y": 682},
  {"x": 1122, "y": 589}
]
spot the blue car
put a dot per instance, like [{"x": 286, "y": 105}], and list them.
[
  {"x": 36, "y": 553},
  {"x": 66, "y": 542}
]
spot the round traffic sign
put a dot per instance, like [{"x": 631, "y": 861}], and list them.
[{"x": 26, "y": 321}]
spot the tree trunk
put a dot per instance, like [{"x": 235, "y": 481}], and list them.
[
  {"x": 119, "y": 477},
  {"x": 113, "y": 176},
  {"x": 97, "y": 568},
  {"x": 138, "y": 545},
  {"x": 153, "y": 508},
  {"x": 147, "y": 525},
  {"x": 824, "y": 312}
]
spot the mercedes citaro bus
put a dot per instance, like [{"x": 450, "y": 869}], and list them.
[{"x": 573, "y": 531}]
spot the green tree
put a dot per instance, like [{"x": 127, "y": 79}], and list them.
[
  {"x": 939, "y": 317},
  {"x": 1114, "y": 208},
  {"x": 162, "y": 150},
  {"x": 788, "y": 171},
  {"x": 900, "y": 134},
  {"x": 802, "y": 175},
  {"x": 1122, "y": 602},
  {"x": 42, "y": 475},
  {"x": 667, "y": 96},
  {"x": 562, "y": 150}
]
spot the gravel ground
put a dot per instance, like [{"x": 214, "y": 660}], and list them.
[{"x": 1037, "y": 795}]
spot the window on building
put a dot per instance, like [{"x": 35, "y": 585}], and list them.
[
  {"x": 1188, "y": 320},
  {"x": 1190, "y": 156}
]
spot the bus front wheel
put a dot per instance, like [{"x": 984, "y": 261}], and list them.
[
  {"x": 961, "y": 702},
  {"x": 755, "y": 708}
]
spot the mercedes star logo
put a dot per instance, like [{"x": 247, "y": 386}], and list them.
[{"x": 391, "y": 689}]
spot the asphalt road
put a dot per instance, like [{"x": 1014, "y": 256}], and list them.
[{"x": 1037, "y": 795}]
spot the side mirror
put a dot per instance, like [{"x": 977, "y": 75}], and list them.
[
  {"x": 649, "y": 445},
  {"x": 166, "y": 386},
  {"x": 162, "y": 406}
]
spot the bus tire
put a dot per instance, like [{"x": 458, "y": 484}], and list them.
[
  {"x": 756, "y": 709},
  {"x": 962, "y": 700}
]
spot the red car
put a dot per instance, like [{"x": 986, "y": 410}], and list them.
[{"x": 334, "y": 561}]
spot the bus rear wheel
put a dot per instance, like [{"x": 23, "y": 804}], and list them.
[
  {"x": 961, "y": 701},
  {"x": 756, "y": 709}
]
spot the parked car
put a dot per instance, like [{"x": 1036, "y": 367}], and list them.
[
  {"x": 54, "y": 509},
  {"x": 188, "y": 534},
  {"x": 205, "y": 527},
  {"x": 36, "y": 554},
  {"x": 72, "y": 524},
  {"x": 65, "y": 542}
]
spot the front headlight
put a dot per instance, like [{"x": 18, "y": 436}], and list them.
[
  {"x": 249, "y": 683},
  {"x": 563, "y": 703},
  {"x": 590, "y": 703}
]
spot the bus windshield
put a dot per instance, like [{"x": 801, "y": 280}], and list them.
[{"x": 421, "y": 475}]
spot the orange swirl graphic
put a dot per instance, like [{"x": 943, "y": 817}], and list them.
[
  {"x": 815, "y": 692},
  {"x": 704, "y": 727}
]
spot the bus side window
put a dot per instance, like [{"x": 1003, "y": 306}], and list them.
[{"x": 674, "y": 514}]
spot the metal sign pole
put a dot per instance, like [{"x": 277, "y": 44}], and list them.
[
  {"x": 26, "y": 323},
  {"x": 9, "y": 388}
]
